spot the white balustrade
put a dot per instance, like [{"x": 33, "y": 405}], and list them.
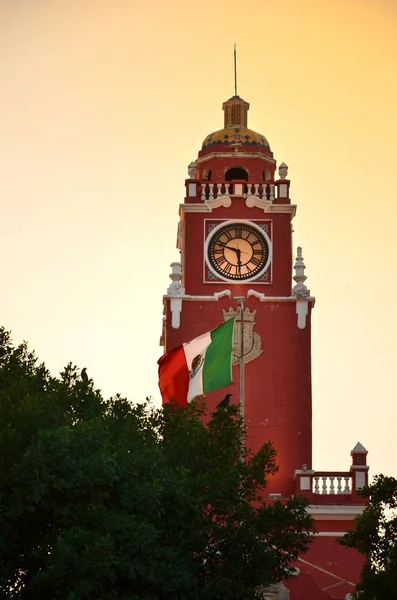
[
  {"x": 210, "y": 190},
  {"x": 325, "y": 484}
]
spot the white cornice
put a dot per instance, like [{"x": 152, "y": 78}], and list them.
[
  {"x": 262, "y": 298},
  {"x": 234, "y": 155},
  {"x": 329, "y": 533},
  {"x": 194, "y": 208},
  {"x": 334, "y": 512},
  {"x": 208, "y": 206},
  {"x": 188, "y": 297}
]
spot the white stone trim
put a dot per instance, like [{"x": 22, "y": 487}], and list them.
[
  {"x": 283, "y": 208},
  {"x": 329, "y": 533},
  {"x": 224, "y": 200},
  {"x": 332, "y": 512},
  {"x": 232, "y": 156},
  {"x": 213, "y": 298},
  {"x": 269, "y": 206},
  {"x": 252, "y": 201},
  {"x": 209, "y": 205},
  {"x": 176, "y": 298},
  {"x": 195, "y": 208},
  {"x": 263, "y": 298},
  {"x": 302, "y": 310}
]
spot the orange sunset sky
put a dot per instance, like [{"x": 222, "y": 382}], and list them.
[{"x": 103, "y": 104}]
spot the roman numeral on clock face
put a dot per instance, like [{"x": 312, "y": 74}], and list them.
[
  {"x": 255, "y": 261},
  {"x": 227, "y": 269},
  {"x": 238, "y": 231},
  {"x": 219, "y": 260}
]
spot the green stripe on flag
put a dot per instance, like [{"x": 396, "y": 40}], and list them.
[{"x": 217, "y": 370}]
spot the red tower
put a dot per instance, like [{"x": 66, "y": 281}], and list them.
[{"x": 235, "y": 239}]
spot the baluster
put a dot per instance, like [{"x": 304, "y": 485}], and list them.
[
  {"x": 256, "y": 189},
  {"x": 324, "y": 488},
  {"x": 227, "y": 189},
  {"x": 339, "y": 488},
  {"x": 211, "y": 196},
  {"x": 203, "y": 191},
  {"x": 316, "y": 486},
  {"x": 271, "y": 192},
  {"x": 331, "y": 485},
  {"x": 347, "y": 486}
]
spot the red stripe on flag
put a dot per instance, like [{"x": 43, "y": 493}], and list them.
[{"x": 174, "y": 376}]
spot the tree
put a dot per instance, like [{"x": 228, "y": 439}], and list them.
[
  {"x": 107, "y": 499},
  {"x": 375, "y": 536}
]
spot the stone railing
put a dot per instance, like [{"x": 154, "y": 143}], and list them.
[
  {"x": 209, "y": 191},
  {"x": 335, "y": 487},
  {"x": 331, "y": 483},
  {"x": 197, "y": 191},
  {"x": 327, "y": 487}
]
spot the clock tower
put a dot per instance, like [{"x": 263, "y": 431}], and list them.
[{"x": 235, "y": 241}]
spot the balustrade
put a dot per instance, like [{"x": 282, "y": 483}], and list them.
[
  {"x": 324, "y": 483},
  {"x": 331, "y": 483},
  {"x": 210, "y": 191}
]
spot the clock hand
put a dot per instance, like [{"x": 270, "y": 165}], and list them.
[
  {"x": 236, "y": 250},
  {"x": 239, "y": 262},
  {"x": 228, "y": 247}
]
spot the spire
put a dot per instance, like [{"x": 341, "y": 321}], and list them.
[
  {"x": 235, "y": 71},
  {"x": 235, "y": 108},
  {"x": 300, "y": 289}
]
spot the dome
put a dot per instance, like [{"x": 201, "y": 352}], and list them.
[{"x": 241, "y": 136}]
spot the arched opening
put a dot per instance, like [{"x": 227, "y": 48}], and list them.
[
  {"x": 207, "y": 174},
  {"x": 236, "y": 173}
]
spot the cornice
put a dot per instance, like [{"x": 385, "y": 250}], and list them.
[
  {"x": 209, "y": 205},
  {"x": 233, "y": 155},
  {"x": 335, "y": 512},
  {"x": 263, "y": 298}
]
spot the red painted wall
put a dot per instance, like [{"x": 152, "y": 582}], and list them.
[
  {"x": 193, "y": 263},
  {"x": 277, "y": 383}
]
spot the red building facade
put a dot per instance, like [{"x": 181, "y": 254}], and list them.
[{"x": 235, "y": 240}]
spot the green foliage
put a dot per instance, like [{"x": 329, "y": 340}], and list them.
[
  {"x": 375, "y": 536},
  {"x": 105, "y": 499}
]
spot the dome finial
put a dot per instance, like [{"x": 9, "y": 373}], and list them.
[{"x": 235, "y": 70}]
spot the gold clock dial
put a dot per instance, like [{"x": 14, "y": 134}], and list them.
[{"x": 238, "y": 251}]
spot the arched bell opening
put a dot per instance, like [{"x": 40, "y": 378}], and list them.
[{"x": 236, "y": 173}]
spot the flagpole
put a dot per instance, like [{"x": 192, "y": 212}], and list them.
[{"x": 240, "y": 299}]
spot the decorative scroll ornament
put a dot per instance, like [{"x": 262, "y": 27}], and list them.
[{"x": 252, "y": 340}]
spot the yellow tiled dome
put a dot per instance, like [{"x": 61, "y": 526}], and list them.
[{"x": 239, "y": 136}]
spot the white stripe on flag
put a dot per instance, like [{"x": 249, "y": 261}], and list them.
[{"x": 192, "y": 349}]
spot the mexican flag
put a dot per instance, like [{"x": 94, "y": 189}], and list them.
[{"x": 198, "y": 367}]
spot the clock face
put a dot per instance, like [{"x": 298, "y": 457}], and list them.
[{"x": 237, "y": 251}]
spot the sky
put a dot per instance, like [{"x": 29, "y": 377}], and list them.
[{"x": 103, "y": 103}]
